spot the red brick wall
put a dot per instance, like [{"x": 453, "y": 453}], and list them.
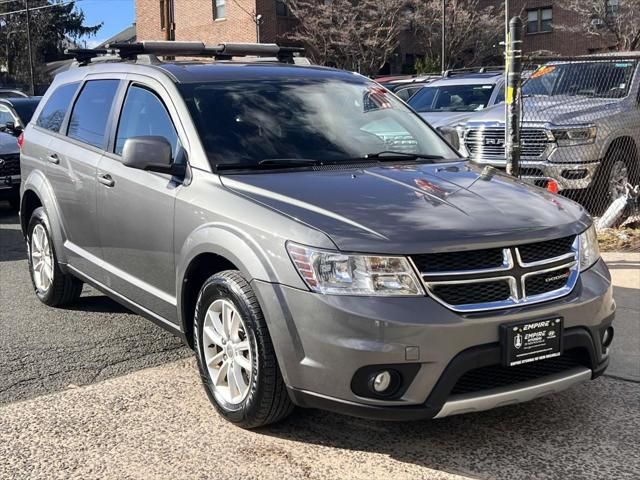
[
  {"x": 559, "y": 41},
  {"x": 194, "y": 21}
]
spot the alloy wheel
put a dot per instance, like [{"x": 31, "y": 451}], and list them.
[
  {"x": 227, "y": 351},
  {"x": 41, "y": 258}
]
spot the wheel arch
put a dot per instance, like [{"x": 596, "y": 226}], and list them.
[{"x": 209, "y": 250}]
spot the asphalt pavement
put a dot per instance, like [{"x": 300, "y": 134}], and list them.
[{"x": 98, "y": 392}]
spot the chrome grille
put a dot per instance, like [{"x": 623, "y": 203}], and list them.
[
  {"x": 477, "y": 280},
  {"x": 488, "y": 142}
]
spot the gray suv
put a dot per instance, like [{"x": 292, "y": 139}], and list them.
[{"x": 262, "y": 211}]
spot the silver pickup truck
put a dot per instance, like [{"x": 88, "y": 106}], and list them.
[{"x": 580, "y": 127}]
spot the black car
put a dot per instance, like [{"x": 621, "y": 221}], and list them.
[{"x": 15, "y": 113}]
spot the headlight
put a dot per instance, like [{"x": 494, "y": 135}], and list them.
[
  {"x": 589, "y": 251},
  {"x": 575, "y": 135},
  {"x": 340, "y": 274}
]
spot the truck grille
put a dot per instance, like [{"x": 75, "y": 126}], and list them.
[
  {"x": 497, "y": 376},
  {"x": 501, "y": 277},
  {"x": 9, "y": 165},
  {"x": 488, "y": 142}
]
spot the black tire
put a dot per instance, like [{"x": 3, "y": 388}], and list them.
[
  {"x": 598, "y": 197},
  {"x": 267, "y": 400},
  {"x": 64, "y": 289}
]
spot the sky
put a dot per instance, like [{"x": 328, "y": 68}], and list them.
[{"x": 115, "y": 14}]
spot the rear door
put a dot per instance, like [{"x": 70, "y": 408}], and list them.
[
  {"x": 73, "y": 160},
  {"x": 136, "y": 207}
]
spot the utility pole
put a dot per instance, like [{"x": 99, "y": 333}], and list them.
[
  {"x": 443, "y": 60},
  {"x": 31, "y": 77},
  {"x": 169, "y": 30},
  {"x": 514, "y": 82}
]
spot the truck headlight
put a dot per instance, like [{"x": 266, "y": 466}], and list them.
[
  {"x": 579, "y": 135},
  {"x": 337, "y": 273},
  {"x": 589, "y": 250}
]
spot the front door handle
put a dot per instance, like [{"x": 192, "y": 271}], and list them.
[
  {"x": 106, "y": 180},
  {"x": 53, "y": 158}
]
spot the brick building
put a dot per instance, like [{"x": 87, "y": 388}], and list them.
[{"x": 214, "y": 21}]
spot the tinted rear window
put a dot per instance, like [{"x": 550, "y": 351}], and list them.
[
  {"x": 54, "y": 111},
  {"x": 91, "y": 112}
]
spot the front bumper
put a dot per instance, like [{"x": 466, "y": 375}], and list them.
[
  {"x": 323, "y": 340},
  {"x": 9, "y": 184}
]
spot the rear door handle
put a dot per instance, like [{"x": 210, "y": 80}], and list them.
[
  {"x": 106, "y": 180},
  {"x": 53, "y": 158}
]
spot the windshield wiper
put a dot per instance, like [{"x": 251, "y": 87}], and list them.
[
  {"x": 269, "y": 163},
  {"x": 391, "y": 155}
]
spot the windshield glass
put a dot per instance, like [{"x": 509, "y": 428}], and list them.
[
  {"x": 452, "y": 98},
  {"x": 595, "y": 79},
  {"x": 327, "y": 120}
]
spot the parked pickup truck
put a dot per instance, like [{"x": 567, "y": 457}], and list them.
[{"x": 581, "y": 127}]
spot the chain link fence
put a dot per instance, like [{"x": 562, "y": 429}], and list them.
[{"x": 579, "y": 136}]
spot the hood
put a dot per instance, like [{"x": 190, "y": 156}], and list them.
[
  {"x": 415, "y": 208},
  {"x": 447, "y": 119},
  {"x": 8, "y": 144},
  {"x": 558, "y": 110}
]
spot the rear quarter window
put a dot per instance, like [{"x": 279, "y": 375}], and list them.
[{"x": 54, "y": 111}]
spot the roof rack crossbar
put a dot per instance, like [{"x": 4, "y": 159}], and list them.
[
  {"x": 222, "y": 51},
  {"x": 85, "y": 55}
]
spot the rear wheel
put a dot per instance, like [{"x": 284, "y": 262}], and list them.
[
  {"x": 52, "y": 286},
  {"x": 236, "y": 359}
]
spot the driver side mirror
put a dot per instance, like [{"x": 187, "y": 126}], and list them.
[
  {"x": 12, "y": 128},
  {"x": 150, "y": 153}
]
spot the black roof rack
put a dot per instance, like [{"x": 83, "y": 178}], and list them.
[
  {"x": 463, "y": 71},
  {"x": 223, "y": 51}
]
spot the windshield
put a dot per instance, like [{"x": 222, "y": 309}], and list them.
[
  {"x": 452, "y": 98},
  {"x": 327, "y": 120},
  {"x": 595, "y": 79}
]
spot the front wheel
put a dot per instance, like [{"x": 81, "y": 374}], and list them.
[{"x": 236, "y": 358}]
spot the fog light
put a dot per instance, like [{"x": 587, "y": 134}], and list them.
[
  {"x": 607, "y": 337},
  {"x": 382, "y": 382}
]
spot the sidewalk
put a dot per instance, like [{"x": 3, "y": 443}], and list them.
[{"x": 625, "y": 355}]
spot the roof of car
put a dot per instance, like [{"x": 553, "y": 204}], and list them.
[
  {"x": 469, "y": 79},
  {"x": 20, "y": 100},
  {"x": 204, "y": 72}
]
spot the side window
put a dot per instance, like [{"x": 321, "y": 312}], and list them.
[
  {"x": 501, "y": 94},
  {"x": 91, "y": 112},
  {"x": 5, "y": 115},
  {"x": 53, "y": 113},
  {"x": 144, "y": 114}
]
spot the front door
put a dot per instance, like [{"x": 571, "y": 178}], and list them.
[{"x": 136, "y": 208}]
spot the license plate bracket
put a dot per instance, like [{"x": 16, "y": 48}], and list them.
[{"x": 531, "y": 341}]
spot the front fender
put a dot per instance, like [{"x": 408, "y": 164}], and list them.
[{"x": 37, "y": 183}]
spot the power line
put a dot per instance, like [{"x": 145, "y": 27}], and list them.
[{"x": 39, "y": 8}]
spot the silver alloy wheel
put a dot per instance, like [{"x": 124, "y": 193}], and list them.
[
  {"x": 227, "y": 351},
  {"x": 618, "y": 179},
  {"x": 41, "y": 259}
]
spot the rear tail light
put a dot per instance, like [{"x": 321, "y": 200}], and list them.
[{"x": 21, "y": 141}]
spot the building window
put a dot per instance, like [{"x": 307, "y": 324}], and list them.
[
  {"x": 540, "y": 20},
  {"x": 282, "y": 10},
  {"x": 219, "y": 9},
  {"x": 162, "y": 15}
]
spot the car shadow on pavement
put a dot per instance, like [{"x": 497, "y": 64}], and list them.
[
  {"x": 567, "y": 435},
  {"x": 12, "y": 246},
  {"x": 97, "y": 304}
]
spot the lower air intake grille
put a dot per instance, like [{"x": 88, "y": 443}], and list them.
[
  {"x": 472, "y": 293},
  {"x": 496, "y": 376},
  {"x": 10, "y": 165}
]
